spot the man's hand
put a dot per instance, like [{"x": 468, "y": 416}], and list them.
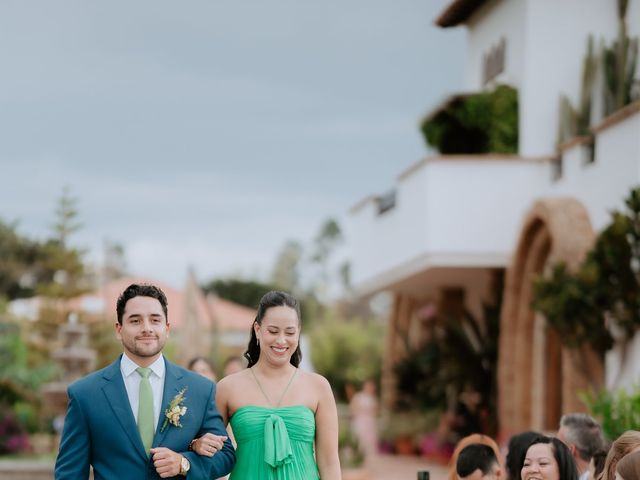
[
  {"x": 208, "y": 444},
  {"x": 166, "y": 462}
]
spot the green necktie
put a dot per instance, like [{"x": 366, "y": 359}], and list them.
[{"x": 145, "y": 409}]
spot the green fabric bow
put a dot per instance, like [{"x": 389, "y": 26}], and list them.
[{"x": 277, "y": 447}]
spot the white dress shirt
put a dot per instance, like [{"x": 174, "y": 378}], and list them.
[{"x": 132, "y": 384}]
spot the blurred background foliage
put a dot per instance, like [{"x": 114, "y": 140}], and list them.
[
  {"x": 618, "y": 411},
  {"x": 347, "y": 350},
  {"x": 460, "y": 353}
]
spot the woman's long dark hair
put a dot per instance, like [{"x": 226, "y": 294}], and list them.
[{"x": 271, "y": 299}]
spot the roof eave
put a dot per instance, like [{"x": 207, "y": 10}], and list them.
[{"x": 458, "y": 12}]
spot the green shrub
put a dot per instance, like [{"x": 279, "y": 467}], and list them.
[
  {"x": 13, "y": 437},
  {"x": 347, "y": 351},
  {"x": 351, "y": 454},
  {"x": 484, "y": 122},
  {"x": 618, "y": 411}
]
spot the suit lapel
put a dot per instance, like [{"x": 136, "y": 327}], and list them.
[
  {"x": 172, "y": 386},
  {"x": 116, "y": 394}
]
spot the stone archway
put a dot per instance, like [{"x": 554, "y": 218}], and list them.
[{"x": 537, "y": 378}]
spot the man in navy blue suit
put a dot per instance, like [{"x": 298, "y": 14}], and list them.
[{"x": 135, "y": 419}]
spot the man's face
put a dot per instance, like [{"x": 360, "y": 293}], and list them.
[
  {"x": 144, "y": 330},
  {"x": 562, "y": 436}
]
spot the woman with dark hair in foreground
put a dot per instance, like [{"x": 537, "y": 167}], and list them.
[{"x": 277, "y": 410}]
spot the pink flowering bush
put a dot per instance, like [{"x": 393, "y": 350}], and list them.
[{"x": 13, "y": 437}]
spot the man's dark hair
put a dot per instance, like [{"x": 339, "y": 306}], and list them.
[
  {"x": 140, "y": 290},
  {"x": 473, "y": 457},
  {"x": 584, "y": 432}
]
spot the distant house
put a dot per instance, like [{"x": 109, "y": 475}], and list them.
[{"x": 452, "y": 220}]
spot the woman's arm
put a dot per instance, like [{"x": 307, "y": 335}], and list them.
[
  {"x": 222, "y": 400},
  {"x": 327, "y": 432},
  {"x": 209, "y": 444}
]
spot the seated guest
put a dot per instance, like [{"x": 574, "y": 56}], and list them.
[
  {"x": 473, "y": 438},
  {"x": 629, "y": 467},
  {"x": 548, "y": 458},
  {"x": 583, "y": 435},
  {"x": 518, "y": 445},
  {"x": 203, "y": 366},
  {"x": 626, "y": 443},
  {"x": 478, "y": 462}
]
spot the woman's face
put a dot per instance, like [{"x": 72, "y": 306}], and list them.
[
  {"x": 540, "y": 463},
  {"x": 278, "y": 334}
]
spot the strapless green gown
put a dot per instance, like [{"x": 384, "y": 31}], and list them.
[{"x": 274, "y": 443}]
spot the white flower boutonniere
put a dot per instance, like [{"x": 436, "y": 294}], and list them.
[{"x": 175, "y": 410}]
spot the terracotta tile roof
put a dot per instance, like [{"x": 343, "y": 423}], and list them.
[
  {"x": 230, "y": 316},
  {"x": 105, "y": 299},
  {"x": 211, "y": 311},
  {"x": 458, "y": 12}
]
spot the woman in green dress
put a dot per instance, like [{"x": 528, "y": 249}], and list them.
[{"x": 278, "y": 411}]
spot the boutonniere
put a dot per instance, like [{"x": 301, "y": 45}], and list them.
[{"x": 175, "y": 410}]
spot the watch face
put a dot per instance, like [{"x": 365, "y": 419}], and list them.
[{"x": 185, "y": 465}]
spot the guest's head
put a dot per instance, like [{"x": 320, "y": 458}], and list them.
[
  {"x": 476, "y": 462},
  {"x": 626, "y": 443},
  {"x": 275, "y": 334},
  {"x": 583, "y": 435},
  {"x": 466, "y": 441},
  {"x": 518, "y": 445},
  {"x": 369, "y": 387},
  {"x": 628, "y": 467},
  {"x": 203, "y": 366},
  {"x": 548, "y": 458},
  {"x": 232, "y": 365}
]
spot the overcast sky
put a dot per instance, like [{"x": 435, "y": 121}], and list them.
[{"x": 207, "y": 133}]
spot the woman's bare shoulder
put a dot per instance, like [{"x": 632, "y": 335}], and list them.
[
  {"x": 234, "y": 380},
  {"x": 314, "y": 380}
]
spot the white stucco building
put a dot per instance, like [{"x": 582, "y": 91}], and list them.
[{"x": 453, "y": 219}]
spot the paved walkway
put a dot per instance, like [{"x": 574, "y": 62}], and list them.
[
  {"x": 398, "y": 467},
  {"x": 383, "y": 467}
]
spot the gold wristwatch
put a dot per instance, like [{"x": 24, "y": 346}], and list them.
[{"x": 184, "y": 466}]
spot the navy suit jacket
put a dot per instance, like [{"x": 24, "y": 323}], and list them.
[{"x": 100, "y": 429}]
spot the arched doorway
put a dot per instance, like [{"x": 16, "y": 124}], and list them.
[{"x": 537, "y": 378}]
